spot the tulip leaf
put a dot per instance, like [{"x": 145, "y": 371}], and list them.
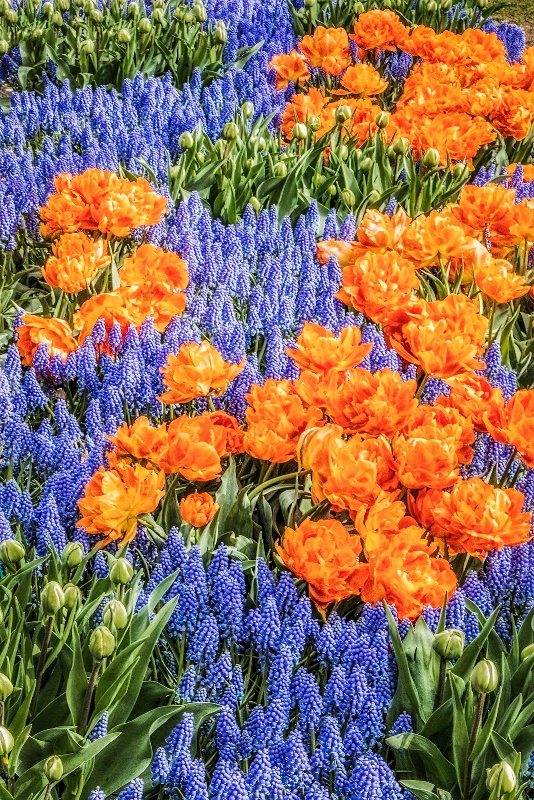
[
  {"x": 435, "y": 762},
  {"x": 468, "y": 659},
  {"x": 77, "y": 680},
  {"x": 423, "y": 790},
  {"x": 460, "y": 735},
  {"x": 406, "y": 697}
]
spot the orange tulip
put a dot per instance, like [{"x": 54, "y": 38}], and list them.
[
  {"x": 319, "y": 351},
  {"x": 55, "y": 333},
  {"x": 475, "y": 517},
  {"x": 456, "y": 136},
  {"x": 473, "y": 396},
  {"x": 276, "y": 417},
  {"x": 114, "y": 499},
  {"x": 195, "y": 448},
  {"x": 379, "y": 232},
  {"x": 435, "y": 239},
  {"x": 141, "y": 441},
  {"x": 498, "y": 281},
  {"x": 328, "y": 48},
  {"x": 480, "y": 208},
  {"x": 196, "y": 371},
  {"x": 379, "y": 30},
  {"x": 363, "y": 80},
  {"x": 379, "y": 403},
  {"x": 150, "y": 265},
  {"x": 517, "y": 425},
  {"x": 75, "y": 261},
  {"x": 109, "y": 307},
  {"x": 198, "y": 509},
  {"x": 301, "y": 108},
  {"x": 151, "y": 300},
  {"x": 289, "y": 69},
  {"x": 233, "y": 435},
  {"x": 347, "y": 473},
  {"x": 325, "y": 555}
]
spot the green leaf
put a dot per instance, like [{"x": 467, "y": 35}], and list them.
[
  {"x": 406, "y": 697},
  {"x": 468, "y": 659},
  {"x": 423, "y": 790},
  {"x": 460, "y": 735},
  {"x": 436, "y": 764},
  {"x": 77, "y": 681}
]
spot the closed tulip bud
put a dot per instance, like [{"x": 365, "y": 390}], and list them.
[
  {"x": 124, "y": 36},
  {"x": 432, "y": 6},
  {"x": 504, "y": 773},
  {"x": 484, "y": 677},
  {"x": 12, "y": 16},
  {"x": 7, "y": 742},
  {"x": 57, "y": 19},
  {"x": 121, "y": 572},
  {"x": 158, "y": 4},
  {"x": 11, "y": 551},
  {"x": 309, "y": 3},
  {"x": 349, "y": 198},
  {"x": 220, "y": 33},
  {"x": 230, "y": 131},
  {"x": 366, "y": 164},
  {"x": 63, "y": 5},
  {"x": 174, "y": 172},
  {"x": 72, "y": 555},
  {"x": 343, "y": 113},
  {"x": 431, "y": 158},
  {"x": 220, "y": 147},
  {"x": 255, "y": 203},
  {"x": 358, "y": 8},
  {"x": 200, "y": 12},
  {"x": 53, "y": 769},
  {"x": 37, "y": 34},
  {"x": 188, "y": 17},
  {"x": 332, "y": 190},
  {"x": 449, "y": 644},
  {"x": 201, "y": 157},
  {"x": 387, "y": 4},
  {"x": 3, "y": 8},
  {"x": 248, "y": 109},
  {"x": 52, "y": 598},
  {"x": 186, "y": 141},
  {"x": 96, "y": 15},
  {"x": 133, "y": 10},
  {"x": 144, "y": 25},
  {"x": 6, "y": 687},
  {"x": 527, "y": 652},
  {"x": 280, "y": 170},
  {"x": 460, "y": 171},
  {"x": 401, "y": 146},
  {"x": 300, "y": 132},
  {"x": 261, "y": 143},
  {"x": 446, "y": 5},
  {"x": 314, "y": 123},
  {"x": 115, "y": 614},
  {"x": 101, "y": 643},
  {"x": 73, "y": 595},
  {"x": 374, "y": 197},
  {"x": 158, "y": 15},
  {"x": 319, "y": 180},
  {"x": 343, "y": 152},
  {"x": 382, "y": 119},
  {"x": 48, "y": 10}
]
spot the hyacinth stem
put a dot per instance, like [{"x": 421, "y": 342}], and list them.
[
  {"x": 84, "y": 716},
  {"x": 472, "y": 739},
  {"x": 41, "y": 663},
  {"x": 441, "y": 682}
]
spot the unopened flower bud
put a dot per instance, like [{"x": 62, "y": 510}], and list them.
[
  {"x": 343, "y": 113},
  {"x": 144, "y": 25},
  {"x": 115, "y": 614},
  {"x": 200, "y": 12},
  {"x": 96, "y": 15},
  {"x": 52, "y": 598},
  {"x": 343, "y": 152},
  {"x": 4, "y": 47},
  {"x": 7, "y": 742},
  {"x": 255, "y": 203},
  {"x": 101, "y": 643},
  {"x": 366, "y": 164},
  {"x": 431, "y": 158},
  {"x": 11, "y": 16},
  {"x": 309, "y": 3},
  {"x": 48, "y": 10},
  {"x": 349, "y": 198},
  {"x": 121, "y": 572},
  {"x": 53, "y": 769},
  {"x": 230, "y": 131},
  {"x": 37, "y": 34},
  {"x": 248, "y": 109},
  {"x": 300, "y": 132},
  {"x": 484, "y": 677},
  {"x": 133, "y": 10},
  {"x": 220, "y": 33},
  {"x": 124, "y": 36},
  {"x": 72, "y": 555},
  {"x": 73, "y": 595},
  {"x": 449, "y": 644},
  {"x": 158, "y": 15},
  {"x": 401, "y": 146},
  {"x": 382, "y": 119},
  {"x": 57, "y": 19},
  {"x": 186, "y": 141},
  {"x": 358, "y": 8},
  {"x": 332, "y": 190},
  {"x": 504, "y": 774},
  {"x": 527, "y": 652},
  {"x": 11, "y": 551},
  {"x": 280, "y": 170},
  {"x": 6, "y": 687},
  {"x": 460, "y": 171}
]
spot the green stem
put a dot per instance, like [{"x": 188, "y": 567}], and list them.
[
  {"x": 507, "y": 468},
  {"x": 441, "y": 682},
  {"x": 84, "y": 716},
  {"x": 421, "y": 387},
  {"x": 48, "y": 791},
  {"x": 472, "y": 739},
  {"x": 41, "y": 663},
  {"x": 259, "y": 489}
]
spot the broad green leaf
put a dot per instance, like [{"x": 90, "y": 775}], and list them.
[
  {"x": 77, "y": 682},
  {"x": 460, "y": 735},
  {"x": 435, "y": 762},
  {"x": 406, "y": 697}
]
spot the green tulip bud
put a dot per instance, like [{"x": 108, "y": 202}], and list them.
[
  {"x": 502, "y": 773},
  {"x": 387, "y": 4},
  {"x": 343, "y": 113},
  {"x": 446, "y": 5},
  {"x": 115, "y": 614},
  {"x": 230, "y": 131},
  {"x": 221, "y": 36},
  {"x": 52, "y": 599},
  {"x": 174, "y": 172},
  {"x": 349, "y": 198},
  {"x": 6, "y": 687},
  {"x": 432, "y": 6},
  {"x": 343, "y": 152},
  {"x": 73, "y": 596},
  {"x": 332, "y": 190},
  {"x": 158, "y": 4},
  {"x": 374, "y": 197},
  {"x": 527, "y": 652},
  {"x": 186, "y": 141},
  {"x": 300, "y": 132},
  {"x": 449, "y": 644},
  {"x": 484, "y": 677},
  {"x": 401, "y": 146},
  {"x": 11, "y": 551},
  {"x": 53, "y": 769},
  {"x": 460, "y": 171},
  {"x": 248, "y": 109},
  {"x": 121, "y": 573},
  {"x": 57, "y": 19},
  {"x": 255, "y": 203},
  {"x": 133, "y": 10},
  {"x": 261, "y": 143},
  {"x": 201, "y": 157},
  {"x": 431, "y": 158},
  {"x": 12, "y": 16},
  {"x": 199, "y": 10},
  {"x": 358, "y": 7},
  {"x": 188, "y": 17},
  {"x": 37, "y": 34},
  {"x": 366, "y": 164},
  {"x": 96, "y": 15},
  {"x": 280, "y": 170},
  {"x": 63, "y": 5},
  {"x": 72, "y": 555},
  {"x": 158, "y": 15},
  {"x": 144, "y": 25},
  {"x": 124, "y": 36},
  {"x": 3, "y": 8},
  {"x": 101, "y": 643},
  {"x": 7, "y": 742},
  {"x": 219, "y": 148},
  {"x": 314, "y": 123},
  {"x": 309, "y": 3},
  {"x": 382, "y": 119},
  {"x": 48, "y": 10}
]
